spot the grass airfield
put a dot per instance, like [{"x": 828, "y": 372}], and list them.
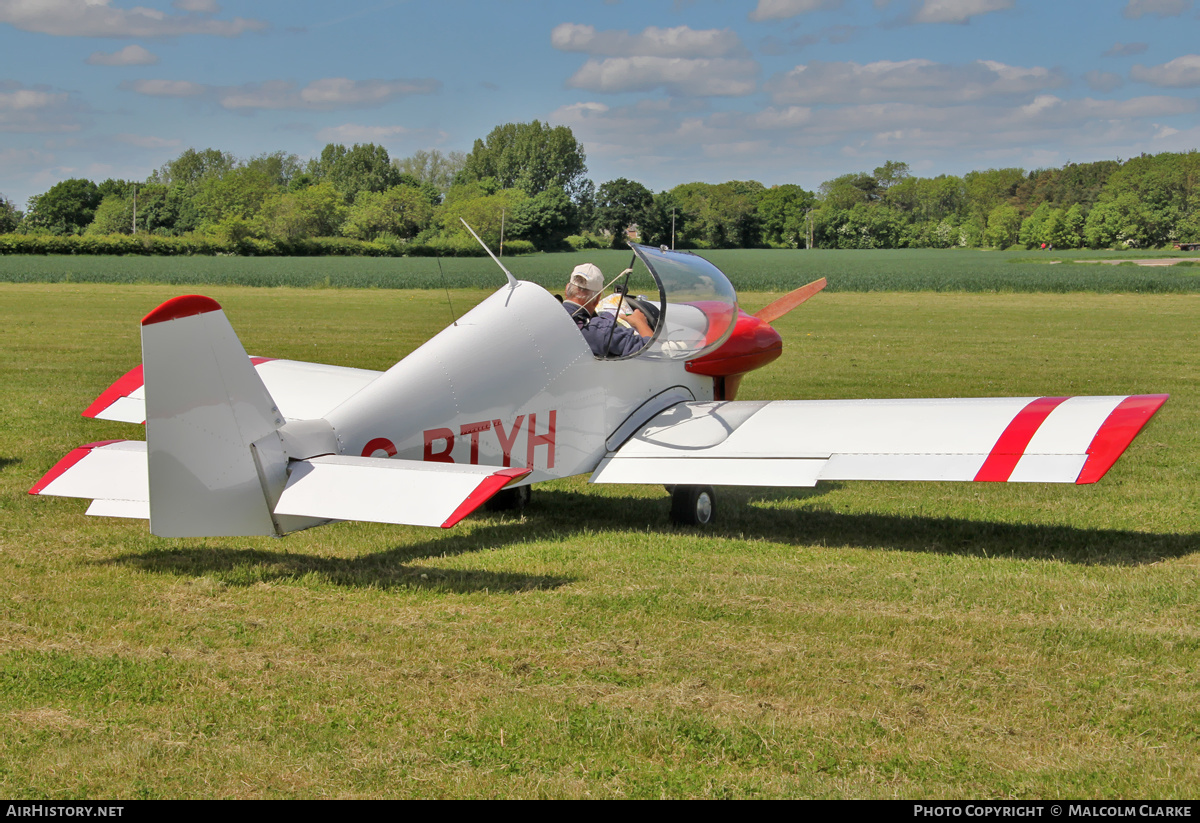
[{"x": 853, "y": 640}]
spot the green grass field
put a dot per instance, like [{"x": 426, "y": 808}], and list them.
[
  {"x": 853, "y": 640},
  {"x": 967, "y": 270}
]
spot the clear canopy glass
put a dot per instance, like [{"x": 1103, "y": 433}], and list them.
[{"x": 697, "y": 304}]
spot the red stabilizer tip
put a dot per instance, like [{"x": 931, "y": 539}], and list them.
[
  {"x": 483, "y": 492},
  {"x": 125, "y": 386},
  {"x": 60, "y": 468},
  {"x": 185, "y": 306},
  {"x": 1117, "y": 432}
]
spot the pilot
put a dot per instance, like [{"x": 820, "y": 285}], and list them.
[{"x": 580, "y": 298}]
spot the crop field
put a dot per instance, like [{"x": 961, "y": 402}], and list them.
[
  {"x": 960, "y": 270},
  {"x": 867, "y": 640}
]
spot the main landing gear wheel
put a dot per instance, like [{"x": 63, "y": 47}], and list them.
[
  {"x": 693, "y": 505},
  {"x": 508, "y": 500}
]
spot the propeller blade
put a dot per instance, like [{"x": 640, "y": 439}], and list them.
[{"x": 771, "y": 313}]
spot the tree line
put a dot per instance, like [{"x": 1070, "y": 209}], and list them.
[{"x": 526, "y": 183}]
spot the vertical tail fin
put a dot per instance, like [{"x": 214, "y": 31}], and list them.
[{"x": 216, "y": 463}]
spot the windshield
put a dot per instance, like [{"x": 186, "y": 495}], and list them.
[{"x": 698, "y": 306}]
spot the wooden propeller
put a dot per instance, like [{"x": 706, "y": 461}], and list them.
[{"x": 776, "y": 310}]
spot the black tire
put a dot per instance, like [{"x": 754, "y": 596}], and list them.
[
  {"x": 507, "y": 500},
  {"x": 693, "y": 506}
]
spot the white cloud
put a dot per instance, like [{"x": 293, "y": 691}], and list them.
[
  {"x": 907, "y": 81},
  {"x": 679, "y": 41},
  {"x": 1182, "y": 72},
  {"x": 97, "y": 18},
  {"x": 128, "y": 56},
  {"x": 36, "y": 109},
  {"x": 166, "y": 88},
  {"x": 1160, "y": 8},
  {"x": 715, "y": 77},
  {"x": 1124, "y": 49},
  {"x": 689, "y": 145},
  {"x": 1102, "y": 80},
  {"x": 145, "y": 141},
  {"x": 957, "y": 11},
  {"x": 782, "y": 9},
  {"x": 203, "y": 6},
  {"x": 328, "y": 94},
  {"x": 353, "y": 132}
]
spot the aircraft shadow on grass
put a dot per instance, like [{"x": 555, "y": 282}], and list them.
[
  {"x": 557, "y": 515},
  {"x": 5, "y": 462}
]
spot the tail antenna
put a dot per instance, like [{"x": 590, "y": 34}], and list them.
[
  {"x": 453, "y": 317},
  {"x": 512, "y": 281}
]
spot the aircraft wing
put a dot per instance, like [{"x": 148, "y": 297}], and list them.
[
  {"x": 114, "y": 474},
  {"x": 800, "y": 442},
  {"x": 301, "y": 391}
]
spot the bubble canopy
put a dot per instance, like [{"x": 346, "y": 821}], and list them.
[{"x": 697, "y": 304}]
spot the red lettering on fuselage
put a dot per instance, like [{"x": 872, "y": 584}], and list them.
[
  {"x": 506, "y": 441},
  {"x": 474, "y": 430},
  {"x": 379, "y": 444},
  {"x": 535, "y": 439},
  {"x": 439, "y": 443},
  {"x": 431, "y": 437}
]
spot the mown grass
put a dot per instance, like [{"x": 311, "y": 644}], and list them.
[
  {"x": 853, "y": 640},
  {"x": 966, "y": 270}
]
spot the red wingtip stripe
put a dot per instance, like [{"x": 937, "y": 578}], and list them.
[
  {"x": 126, "y": 385},
  {"x": 484, "y": 491},
  {"x": 1117, "y": 432},
  {"x": 61, "y": 467},
  {"x": 130, "y": 382},
  {"x": 1010, "y": 448},
  {"x": 184, "y": 306}
]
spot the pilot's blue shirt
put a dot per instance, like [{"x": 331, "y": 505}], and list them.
[{"x": 595, "y": 330}]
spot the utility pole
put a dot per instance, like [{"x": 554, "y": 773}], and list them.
[
  {"x": 501, "y": 232},
  {"x": 135, "y": 209},
  {"x": 672, "y": 228}
]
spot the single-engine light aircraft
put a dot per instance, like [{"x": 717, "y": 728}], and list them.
[{"x": 510, "y": 395}]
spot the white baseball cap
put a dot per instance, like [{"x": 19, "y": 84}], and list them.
[{"x": 588, "y": 276}]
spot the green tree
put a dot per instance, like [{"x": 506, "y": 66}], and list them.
[
  {"x": 10, "y": 218},
  {"x": 532, "y": 157},
  {"x": 433, "y": 167},
  {"x": 1033, "y": 227},
  {"x": 114, "y": 215},
  {"x": 192, "y": 166},
  {"x": 620, "y": 204},
  {"x": 545, "y": 219},
  {"x": 314, "y": 211},
  {"x": 985, "y": 190},
  {"x": 239, "y": 193},
  {"x": 363, "y": 167},
  {"x": 401, "y": 211},
  {"x": 483, "y": 207},
  {"x": 1003, "y": 227},
  {"x": 67, "y": 208},
  {"x": 782, "y": 212},
  {"x": 279, "y": 167}
]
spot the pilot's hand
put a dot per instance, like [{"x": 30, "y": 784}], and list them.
[{"x": 639, "y": 323}]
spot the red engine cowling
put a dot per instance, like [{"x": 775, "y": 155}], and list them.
[{"x": 752, "y": 345}]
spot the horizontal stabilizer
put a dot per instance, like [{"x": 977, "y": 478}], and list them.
[
  {"x": 112, "y": 473},
  {"x": 302, "y": 391},
  {"x": 801, "y": 442},
  {"x": 383, "y": 490}
]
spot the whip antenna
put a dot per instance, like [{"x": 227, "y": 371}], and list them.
[{"x": 453, "y": 319}]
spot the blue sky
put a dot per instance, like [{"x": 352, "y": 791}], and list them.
[{"x": 660, "y": 91}]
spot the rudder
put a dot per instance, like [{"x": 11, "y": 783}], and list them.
[{"x": 215, "y": 462}]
